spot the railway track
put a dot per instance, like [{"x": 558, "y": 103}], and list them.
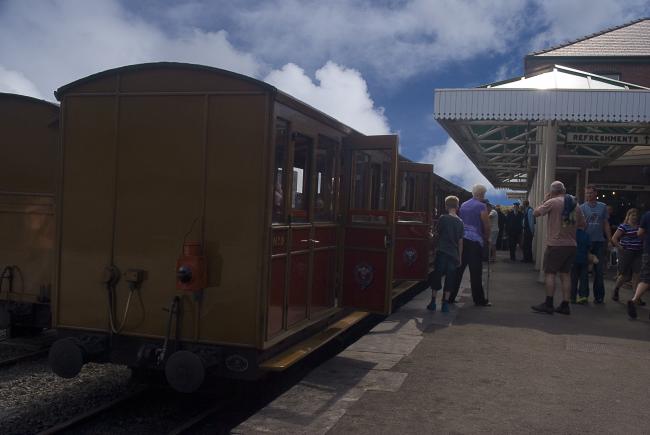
[
  {"x": 81, "y": 419},
  {"x": 16, "y": 350},
  {"x": 10, "y": 361},
  {"x": 146, "y": 410}
]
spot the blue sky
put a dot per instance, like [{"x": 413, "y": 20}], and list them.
[{"x": 371, "y": 64}]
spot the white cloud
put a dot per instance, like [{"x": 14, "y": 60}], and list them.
[
  {"x": 14, "y": 82},
  {"x": 61, "y": 41},
  {"x": 338, "y": 91},
  {"x": 450, "y": 162},
  {"x": 394, "y": 40}
]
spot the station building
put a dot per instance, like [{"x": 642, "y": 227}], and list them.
[{"x": 583, "y": 124}]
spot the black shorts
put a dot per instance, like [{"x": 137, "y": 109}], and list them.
[
  {"x": 559, "y": 259},
  {"x": 645, "y": 268},
  {"x": 629, "y": 262}
]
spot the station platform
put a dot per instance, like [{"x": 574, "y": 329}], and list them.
[{"x": 500, "y": 369}]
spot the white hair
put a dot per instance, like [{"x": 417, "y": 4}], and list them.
[
  {"x": 478, "y": 191},
  {"x": 558, "y": 187}
]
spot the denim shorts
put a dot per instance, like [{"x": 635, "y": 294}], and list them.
[{"x": 446, "y": 266}]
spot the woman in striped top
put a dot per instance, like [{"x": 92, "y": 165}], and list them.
[{"x": 630, "y": 249}]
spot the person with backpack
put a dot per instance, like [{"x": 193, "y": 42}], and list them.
[{"x": 564, "y": 218}]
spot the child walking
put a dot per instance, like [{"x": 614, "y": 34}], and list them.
[{"x": 449, "y": 253}]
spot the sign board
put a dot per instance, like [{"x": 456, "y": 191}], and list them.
[
  {"x": 628, "y": 187},
  {"x": 517, "y": 195},
  {"x": 607, "y": 139}
]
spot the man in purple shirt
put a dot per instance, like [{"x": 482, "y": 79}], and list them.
[{"x": 474, "y": 215}]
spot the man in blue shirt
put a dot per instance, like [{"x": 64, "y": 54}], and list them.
[
  {"x": 600, "y": 234},
  {"x": 644, "y": 278},
  {"x": 529, "y": 231}
]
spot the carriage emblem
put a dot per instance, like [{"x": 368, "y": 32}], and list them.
[
  {"x": 410, "y": 256},
  {"x": 363, "y": 275}
]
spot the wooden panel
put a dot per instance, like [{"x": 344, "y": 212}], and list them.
[
  {"x": 325, "y": 237},
  {"x": 159, "y": 197},
  {"x": 324, "y": 280},
  {"x": 298, "y": 288},
  {"x": 300, "y": 239},
  {"x": 367, "y": 237},
  {"x": 276, "y": 296},
  {"x": 411, "y": 231},
  {"x": 411, "y": 259},
  {"x": 364, "y": 279},
  {"x": 28, "y": 145},
  {"x": 236, "y": 234},
  {"x": 279, "y": 240},
  {"x": 86, "y": 210}
]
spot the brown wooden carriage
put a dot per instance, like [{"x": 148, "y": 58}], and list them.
[
  {"x": 209, "y": 222},
  {"x": 28, "y": 164}
]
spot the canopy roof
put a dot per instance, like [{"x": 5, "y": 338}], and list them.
[{"x": 496, "y": 125}]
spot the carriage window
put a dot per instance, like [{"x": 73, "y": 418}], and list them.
[
  {"x": 371, "y": 180},
  {"x": 412, "y": 196},
  {"x": 279, "y": 175},
  {"x": 301, "y": 174},
  {"x": 325, "y": 179}
]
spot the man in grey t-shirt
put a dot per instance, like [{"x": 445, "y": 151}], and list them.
[{"x": 600, "y": 234}]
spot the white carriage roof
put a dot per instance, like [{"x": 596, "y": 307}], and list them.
[{"x": 496, "y": 125}]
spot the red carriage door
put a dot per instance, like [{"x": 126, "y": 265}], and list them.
[
  {"x": 371, "y": 171},
  {"x": 414, "y": 202}
]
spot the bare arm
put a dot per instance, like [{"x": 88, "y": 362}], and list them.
[
  {"x": 581, "y": 222},
  {"x": 616, "y": 238},
  {"x": 606, "y": 228},
  {"x": 543, "y": 208}
]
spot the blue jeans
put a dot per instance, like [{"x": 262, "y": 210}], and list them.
[
  {"x": 598, "y": 249},
  {"x": 446, "y": 266},
  {"x": 579, "y": 280}
]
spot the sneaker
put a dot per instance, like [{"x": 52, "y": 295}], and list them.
[
  {"x": 431, "y": 306},
  {"x": 543, "y": 308},
  {"x": 563, "y": 309},
  {"x": 445, "y": 307},
  {"x": 615, "y": 296},
  {"x": 582, "y": 300},
  {"x": 631, "y": 309}
]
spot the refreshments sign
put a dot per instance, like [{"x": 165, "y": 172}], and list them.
[{"x": 607, "y": 138}]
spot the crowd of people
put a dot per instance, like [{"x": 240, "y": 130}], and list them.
[{"x": 578, "y": 241}]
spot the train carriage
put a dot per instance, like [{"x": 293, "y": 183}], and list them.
[
  {"x": 211, "y": 223},
  {"x": 28, "y": 165}
]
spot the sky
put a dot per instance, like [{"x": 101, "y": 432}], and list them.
[{"x": 373, "y": 65}]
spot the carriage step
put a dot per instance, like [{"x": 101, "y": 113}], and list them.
[
  {"x": 295, "y": 353},
  {"x": 403, "y": 287}
]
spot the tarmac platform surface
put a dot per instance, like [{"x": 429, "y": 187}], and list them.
[{"x": 502, "y": 369}]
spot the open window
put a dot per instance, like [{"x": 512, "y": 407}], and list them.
[{"x": 300, "y": 188}]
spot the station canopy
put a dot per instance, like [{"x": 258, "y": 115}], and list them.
[{"x": 599, "y": 120}]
